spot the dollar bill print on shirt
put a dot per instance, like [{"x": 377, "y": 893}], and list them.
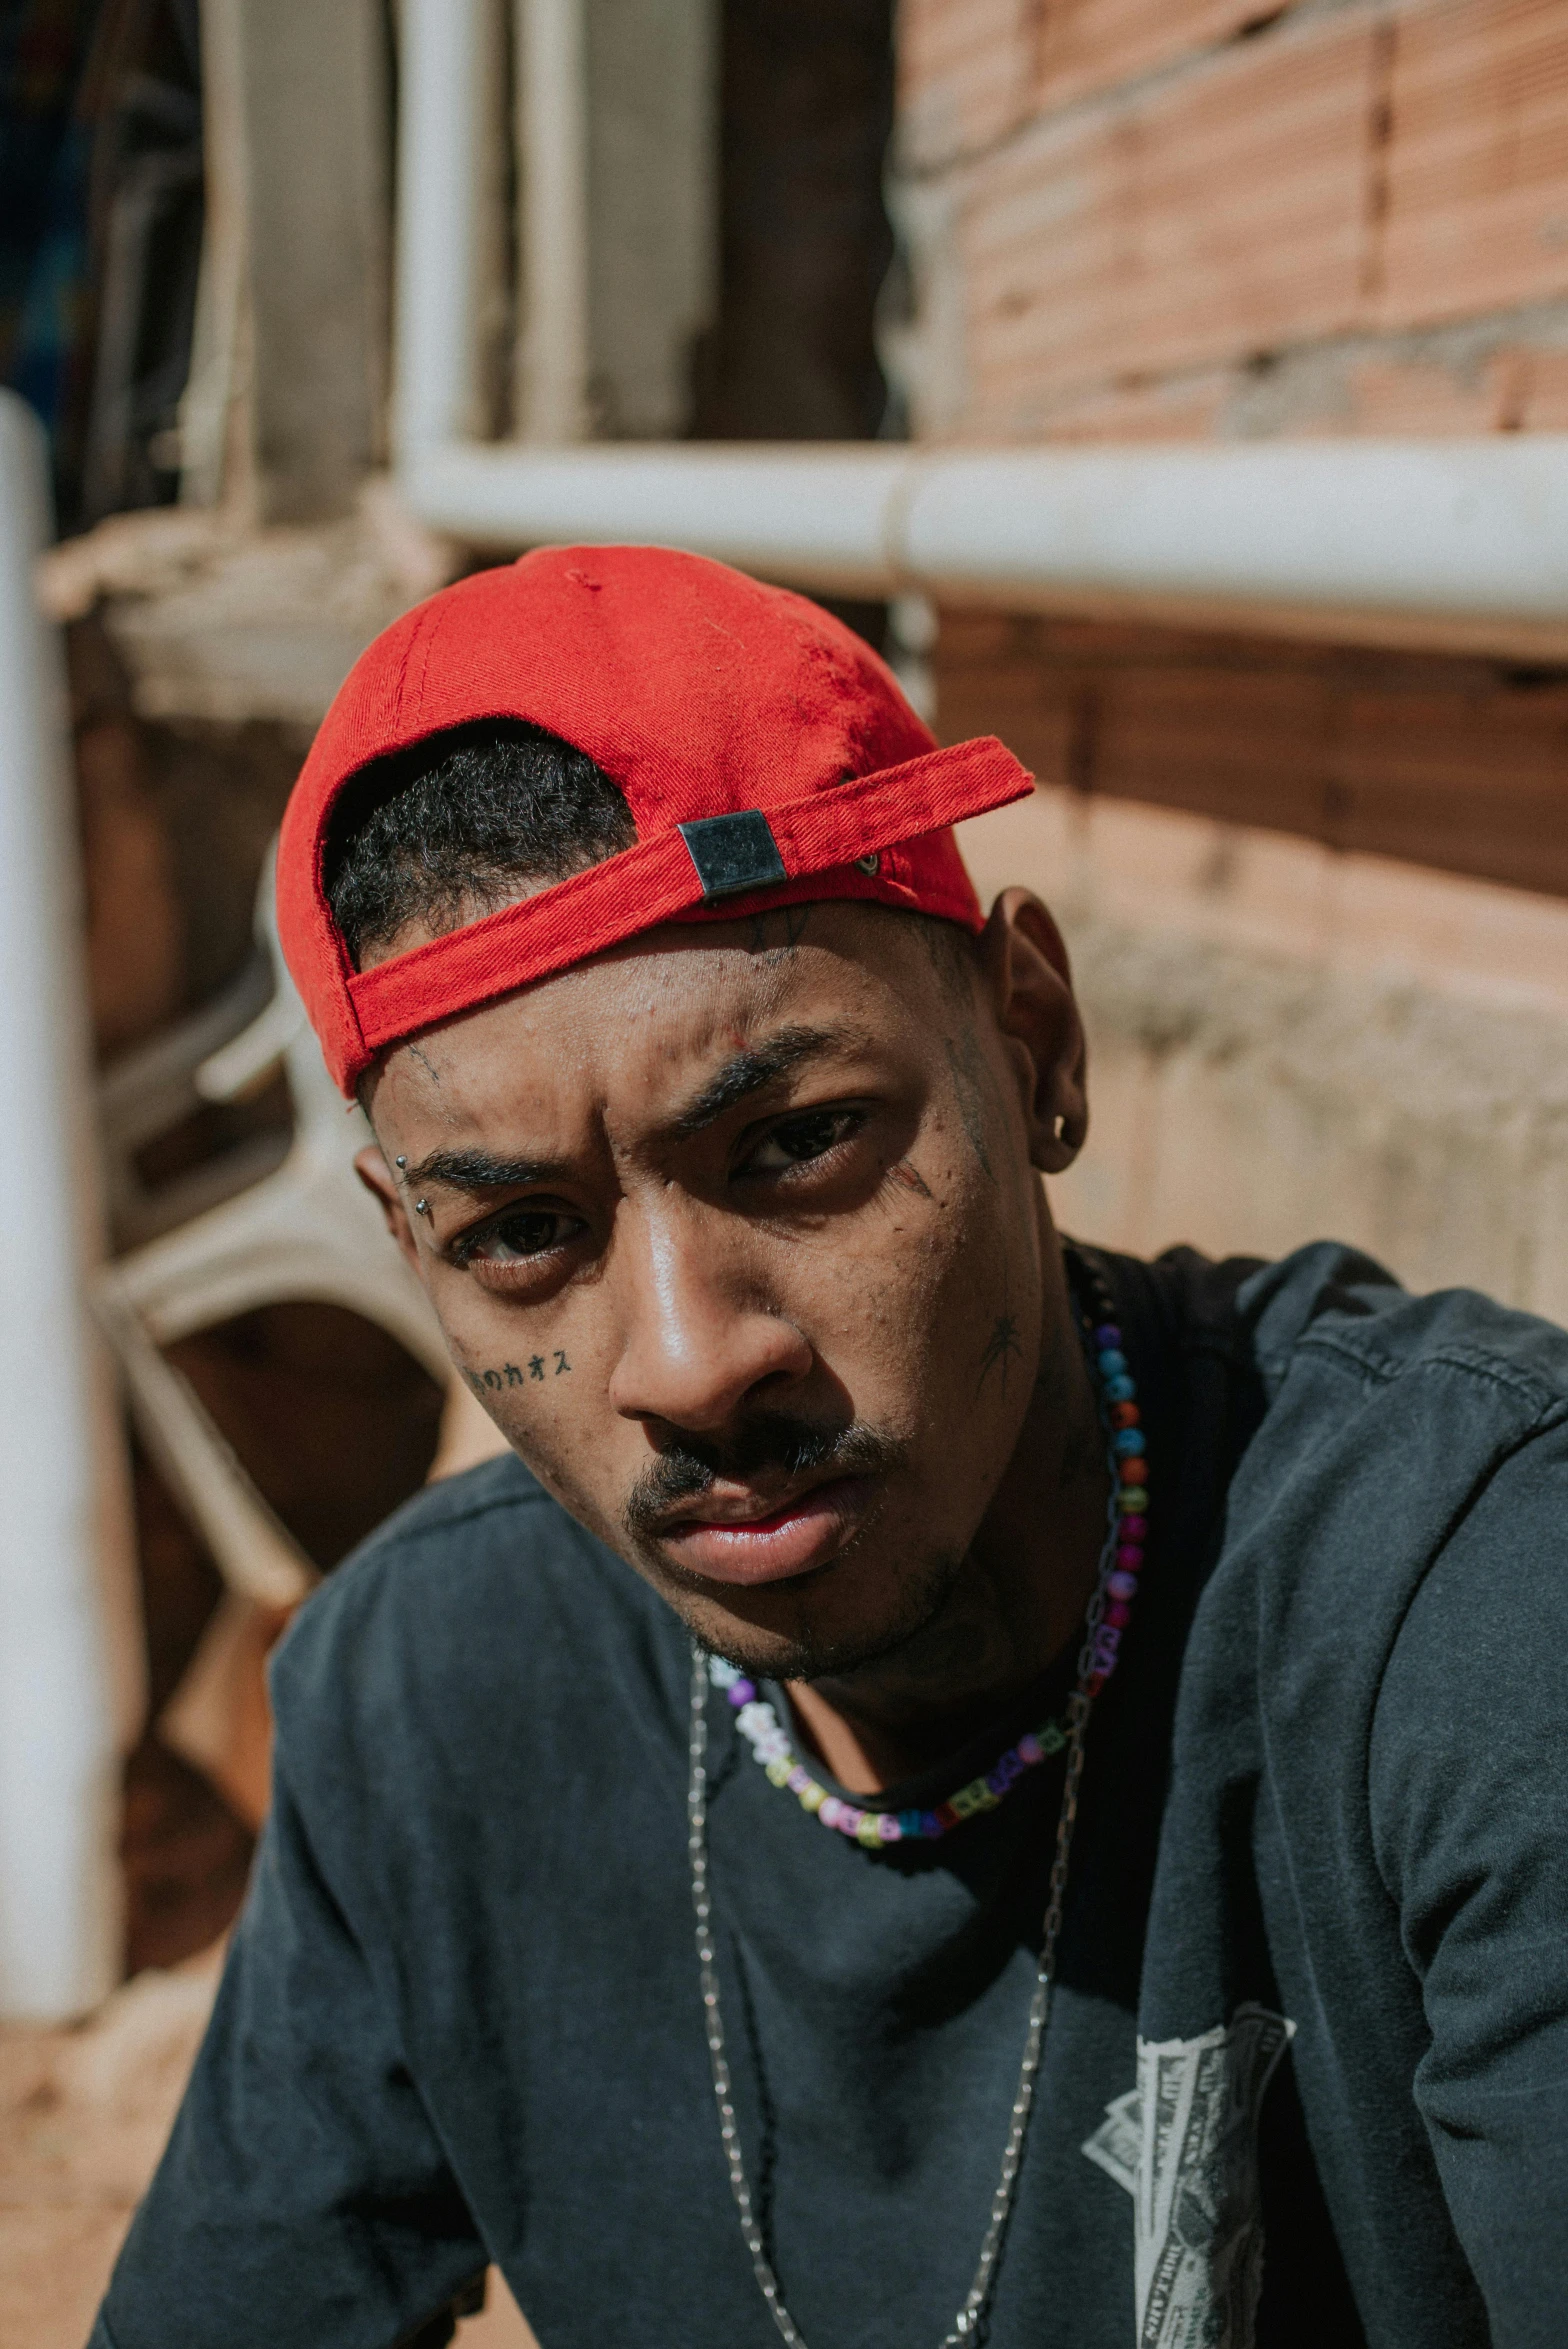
[{"x": 1184, "y": 2143}]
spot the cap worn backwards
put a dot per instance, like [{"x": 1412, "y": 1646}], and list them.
[{"x": 766, "y": 754}]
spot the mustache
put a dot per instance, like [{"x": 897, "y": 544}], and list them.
[{"x": 688, "y": 1465}]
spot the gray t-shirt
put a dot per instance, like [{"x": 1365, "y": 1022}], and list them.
[{"x": 1310, "y": 2037}]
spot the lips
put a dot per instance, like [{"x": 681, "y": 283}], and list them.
[{"x": 793, "y": 1539}]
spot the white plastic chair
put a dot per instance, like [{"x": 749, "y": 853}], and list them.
[
  {"x": 307, "y": 1230},
  {"x": 154, "y": 1087}
]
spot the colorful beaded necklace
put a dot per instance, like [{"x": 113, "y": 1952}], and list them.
[
  {"x": 759, "y": 1724},
  {"x": 1106, "y": 1619}
]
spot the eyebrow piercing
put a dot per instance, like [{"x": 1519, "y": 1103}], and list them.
[
  {"x": 421, "y": 1207},
  {"x": 402, "y": 1162}
]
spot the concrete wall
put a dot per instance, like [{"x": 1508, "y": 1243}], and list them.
[
  {"x": 285, "y": 408},
  {"x": 652, "y": 174},
  {"x": 1287, "y": 1043}
]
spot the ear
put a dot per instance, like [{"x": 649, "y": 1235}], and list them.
[
  {"x": 379, "y": 1180},
  {"x": 1026, "y": 975}
]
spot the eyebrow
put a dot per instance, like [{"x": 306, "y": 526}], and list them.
[
  {"x": 480, "y": 1170},
  {"x": 749, "y": 1071}
]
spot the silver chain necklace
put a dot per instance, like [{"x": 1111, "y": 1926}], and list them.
[{"x": 967, "y": 2323}]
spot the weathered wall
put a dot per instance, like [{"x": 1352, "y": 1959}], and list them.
[
  {"x": 1461, "y": 764},
  {"x": 1198, "y": 219},
  {"x": 1287, "y": 1042},
  {"x": 1184, "y": 217},
  {"x": 652, "y": 246}
]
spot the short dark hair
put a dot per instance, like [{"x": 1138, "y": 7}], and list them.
[{"x": 463, "y": 823}]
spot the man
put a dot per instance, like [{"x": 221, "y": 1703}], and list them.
[{"x": 954, "y": 1788}]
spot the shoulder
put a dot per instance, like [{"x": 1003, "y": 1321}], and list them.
[
  {"x": 1471, "y": 1710},
  {"x": 1328, "y": 1309},
  {"x": 1388, "y": 1421},
  {"x": 441, "y": 1547},
  {"x": 465, "y": 1602}
]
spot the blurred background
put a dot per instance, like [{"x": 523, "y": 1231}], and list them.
[{"x": 1172, "y": 387}]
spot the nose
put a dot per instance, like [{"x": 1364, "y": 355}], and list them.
[{"x": 698, "y": 1337}]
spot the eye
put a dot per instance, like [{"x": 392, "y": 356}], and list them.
[
  {"x": 518, "y": 1235},
  {"x": 796, "y": 1141}
]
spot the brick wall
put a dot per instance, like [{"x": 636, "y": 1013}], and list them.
[
  {"x": 1183, "y": 217},
  {"x": 1198, "y": 219},
  {"x": 1461, "y": 765}
]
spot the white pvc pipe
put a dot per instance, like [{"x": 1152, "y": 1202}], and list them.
[
  {"x": 1439, "y": 531},
  {"x": 1461, "y": 542},
  {"x": 446, "y": 53},
  {"x": 59, "y": 1906},
  {"x": 1442, "y": 528},
  {"x": 824, "y": 515},
  {"x": 552, "y": 170}
]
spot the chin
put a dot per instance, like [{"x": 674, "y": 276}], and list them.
[{"x": 806, "y": 1631}]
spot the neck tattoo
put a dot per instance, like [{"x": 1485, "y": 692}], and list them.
[{"x": 1121, "y": 1560}]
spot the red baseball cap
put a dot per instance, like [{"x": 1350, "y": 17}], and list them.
[{"x": 766, "y": 755}]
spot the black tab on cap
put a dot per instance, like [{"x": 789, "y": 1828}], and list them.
[{"x": 732, "y": 853}]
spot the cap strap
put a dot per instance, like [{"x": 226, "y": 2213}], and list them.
[{"x": 667, "y": 874}]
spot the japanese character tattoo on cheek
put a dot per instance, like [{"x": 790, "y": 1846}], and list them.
[{"x": 501, "y": 1375}]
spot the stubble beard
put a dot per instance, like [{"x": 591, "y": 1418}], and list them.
[{"x": 807, "y": 1649}]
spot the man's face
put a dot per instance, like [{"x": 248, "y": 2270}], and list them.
[{"x": 734, "y": 1232}]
